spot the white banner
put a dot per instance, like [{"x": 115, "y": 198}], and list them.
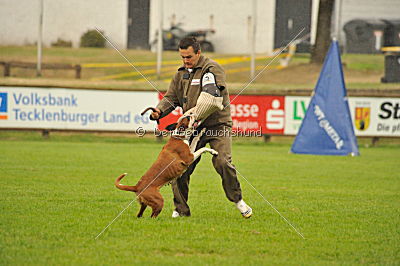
[
  {"x": 376, "y": 116},
  {"x": 295, "y": 110},
  {"x": 370, "y": 116},
  {"x": 75, "y": 109}
]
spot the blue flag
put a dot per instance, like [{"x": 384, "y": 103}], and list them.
[{"x": 327, "y": 128}]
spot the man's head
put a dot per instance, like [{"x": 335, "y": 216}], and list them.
[{"x": 189, "y": 49}]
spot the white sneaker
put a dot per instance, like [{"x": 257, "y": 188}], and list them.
[
  {"x": 248, "y": 213},
  {"x": 175, "y": 214},
  {"x": 244, "y": 209}
]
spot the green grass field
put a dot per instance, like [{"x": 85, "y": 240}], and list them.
[{"x": 58, "y": 195}]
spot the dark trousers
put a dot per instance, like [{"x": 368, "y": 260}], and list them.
[{"x": 222, "y": 164}]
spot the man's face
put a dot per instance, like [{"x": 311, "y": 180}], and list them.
[{"x": 189, "y": 57}]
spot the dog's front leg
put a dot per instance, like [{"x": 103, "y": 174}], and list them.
[
  {"x": 197, "y": 153},
  {"x": 195, "y": 140}
]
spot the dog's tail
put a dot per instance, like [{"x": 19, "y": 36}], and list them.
[{"x": 123, "y": 187}]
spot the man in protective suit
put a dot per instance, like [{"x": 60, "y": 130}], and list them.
[{"x": 199, "y": 88}]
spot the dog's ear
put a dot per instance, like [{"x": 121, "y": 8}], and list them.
[
  {"x": 171, "y": 127},
  {"x": 185, "y": 124}
]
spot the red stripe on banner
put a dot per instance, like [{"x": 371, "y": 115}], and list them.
[
  {"x": 252, "y": 112},
  {"x": 3, "y": 117}
]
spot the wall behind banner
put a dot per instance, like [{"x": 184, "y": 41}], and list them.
[{"x": 107, "y": 110}]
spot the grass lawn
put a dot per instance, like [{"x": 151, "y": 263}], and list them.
[
  {"x": 361, "y": 71},
  {"x": 58, "y": 194}
]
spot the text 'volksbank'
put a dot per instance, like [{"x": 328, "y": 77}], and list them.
[
  {"x": 34, "y": 99},
  {"x": 64, "y": 115}
]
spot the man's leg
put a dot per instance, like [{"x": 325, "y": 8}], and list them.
[
  {"x": 223, "y": 165},
  {"x": 180, "y": 187}
]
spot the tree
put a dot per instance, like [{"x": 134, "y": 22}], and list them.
[{"x": 323, "y": 38}]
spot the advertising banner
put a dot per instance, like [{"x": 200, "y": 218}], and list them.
[
  {"x": 75, "y": 109},
  {"x": 105, "y": 110},
  {"x": 375, "y": 116},
  {"x": 252, "y": 113},
  {"x": 295, "y": 110},
  {"x": 249, "y": 114},
  {"x": 370, "y": 116}
]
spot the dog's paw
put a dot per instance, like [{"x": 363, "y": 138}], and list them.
[{"x": 214, "y": 152}]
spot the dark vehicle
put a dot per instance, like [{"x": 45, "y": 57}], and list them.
[{"x": 172, "y": 37}]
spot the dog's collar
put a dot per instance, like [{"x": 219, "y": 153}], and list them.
[
  {"x": 182, "y": 135},
  {"x": 178, "y": 137}
]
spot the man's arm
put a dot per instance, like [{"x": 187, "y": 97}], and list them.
[
  {"x": 211, "y": 95},
  {"x": 220, "y": 76},
  {"x": 168, "y": 103}
]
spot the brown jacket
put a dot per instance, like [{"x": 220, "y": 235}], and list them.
[{"x": 185, "y": 88}]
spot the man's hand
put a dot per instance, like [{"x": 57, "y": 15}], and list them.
[{"x": 155, "y": 114}]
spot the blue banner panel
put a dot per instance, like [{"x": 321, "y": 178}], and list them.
[
  {"x": 3, "y": 102},
  {"x": 327, "y": 128}
]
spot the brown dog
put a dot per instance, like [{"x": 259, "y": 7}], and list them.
[{"x": 172, "y": 162}]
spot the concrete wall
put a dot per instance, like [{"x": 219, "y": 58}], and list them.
[
  {"x": 66, "y": 19},
  {"x": 230, "y": 21},
  {"x": 69, "y": 19}
]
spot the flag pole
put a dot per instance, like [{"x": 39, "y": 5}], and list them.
[
  {"x": 160, "y": 38},
  {"x": 39, "y": 42},
  {"x": 253, "y": 41}
]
